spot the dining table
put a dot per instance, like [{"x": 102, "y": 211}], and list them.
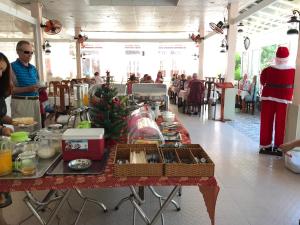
[{"x": 208, "y": 186}]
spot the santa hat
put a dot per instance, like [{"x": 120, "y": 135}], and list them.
[{"x": 282, "y": 54}]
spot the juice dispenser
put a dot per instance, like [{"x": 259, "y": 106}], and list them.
[
  {"x": 81, "y": 95},
  {"x": 5, "y": 156}
]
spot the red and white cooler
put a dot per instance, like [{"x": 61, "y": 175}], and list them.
[{"x": 87, "y": 143}]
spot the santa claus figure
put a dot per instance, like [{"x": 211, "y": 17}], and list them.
[{"x": 277, "y": 82}]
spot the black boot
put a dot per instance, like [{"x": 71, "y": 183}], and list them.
[
  {"x": 267, "y": 151},
  {"x": 276, "y": 151}
]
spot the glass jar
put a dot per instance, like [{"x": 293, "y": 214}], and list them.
[
  {"x": 20, "y": 143},
  {"x": 5, "y": 156},
  {"x": 50, "y": 141}
]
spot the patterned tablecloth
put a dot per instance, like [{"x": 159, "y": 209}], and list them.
[{"x": 207, "y": 186}]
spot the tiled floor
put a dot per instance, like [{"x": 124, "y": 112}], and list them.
[
  {"x": 247, "y": 124},
  {"x": 255, "y": 189}
]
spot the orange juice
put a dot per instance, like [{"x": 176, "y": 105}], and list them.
[
  {"x": 28, "y": 170},
  {"x": 5, "y": 162},
  {"x": 85, "y": 100}
]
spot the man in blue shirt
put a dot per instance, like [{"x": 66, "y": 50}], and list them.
[{"x": 25, "y": 99}]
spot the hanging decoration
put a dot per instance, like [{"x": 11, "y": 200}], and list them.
[
  {"x": 81, "y": 39},
  {"x": 196, "y": 38},
  {"x": 246, "y": 42},
  {"x": 46, "y": 47}
]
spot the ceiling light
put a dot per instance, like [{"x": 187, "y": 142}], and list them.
[
  {"x": 294, "y": 21},
  {"x": 240, "y": 25}
]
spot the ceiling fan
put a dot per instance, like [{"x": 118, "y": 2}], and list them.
[{"x": 219, "y": 27}]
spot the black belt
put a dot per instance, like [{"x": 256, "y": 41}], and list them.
[
  {"x": 26, "y": 97},
  {"x": 279, "y": 85}
]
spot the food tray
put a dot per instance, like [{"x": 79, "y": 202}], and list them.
[
  {"x": 126, "y": 169},
  {"x": 42, "y": 167},
  {"x": 185, "y": 163},
  {"x": 61, "y": 167},
  {"x": 28, "y": 128}
]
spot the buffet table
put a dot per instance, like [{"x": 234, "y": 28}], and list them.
[{"x": 207, "y": 185}]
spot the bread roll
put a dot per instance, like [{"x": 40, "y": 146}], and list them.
[{"x": 23, "y": 120}]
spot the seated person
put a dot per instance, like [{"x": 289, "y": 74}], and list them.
[
  {"x": 144, "y": 78},
  {"x": 159, "y": 78},
  {"x": 147, "y": 79},
  {"x": 98, "y": 79},
  {"x": 182, "y": 81},
  {"x": 132, "y": 79},
  {"x": 243, "y": 87},
  {"x": 187, "y": 82},
  {"x": 251, "y": 94}
]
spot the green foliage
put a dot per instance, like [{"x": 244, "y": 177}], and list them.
[
  {"x": 267, "y": 55},
  {"x": 237, "y": 70},
  {"x": 109, "y": 112}
]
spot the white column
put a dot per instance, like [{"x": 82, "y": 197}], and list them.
[
  {"x": 292, "y": 131},
  {"x": 296, "y": 98},
  {"x": 78, "y": 56},
  {"x": 231, "y": 38},
  {"x": 229, "y": 103},
  {"x": 201, "y": 49},
  {"x": 36, "y": 12}
]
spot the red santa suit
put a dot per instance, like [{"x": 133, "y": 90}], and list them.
[{"x": 277, "y": 82}]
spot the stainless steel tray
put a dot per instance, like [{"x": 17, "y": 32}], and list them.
[
  {"x": 61, "y": 167},
  {"x": 42, "y": 167}
]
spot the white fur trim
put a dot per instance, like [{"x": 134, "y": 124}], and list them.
[
  {"x": 282, "y": 60},
  {"x": 265, "y": 146},
  {"x": 282, "y": 66},
  {"x": 284, "y": 101}
]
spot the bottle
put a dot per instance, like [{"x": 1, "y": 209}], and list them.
[
  {"x": 5, "y": 156},
  {"x": 157, "y": 111}
]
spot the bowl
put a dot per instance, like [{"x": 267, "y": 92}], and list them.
[
  {"x": 80, "y": 164},
  {"x": 46, "y": 152},
  {"x": 169, "y": 117}
]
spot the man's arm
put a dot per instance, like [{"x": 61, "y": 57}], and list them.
[
  {"x": 5, "y": 131},
  {"x": 290, "y": 145},
  {"x": 18, "y": 90}
]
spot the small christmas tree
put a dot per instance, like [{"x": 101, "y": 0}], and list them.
[{"x": 109, "y": 111}]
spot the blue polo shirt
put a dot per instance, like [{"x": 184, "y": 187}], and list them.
[{"x": 25, "y": 76}]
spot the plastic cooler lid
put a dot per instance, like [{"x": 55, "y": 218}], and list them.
[
  {"x": 83, "y": 133},
  {"x": 19, "y": 136}
]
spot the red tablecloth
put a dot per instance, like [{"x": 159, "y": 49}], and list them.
[{"x": 207, "y": 186}]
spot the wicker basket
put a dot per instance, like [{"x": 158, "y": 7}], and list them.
[
  {"x": 140, "y": 169},
  {"x": 186, "y": 165}
]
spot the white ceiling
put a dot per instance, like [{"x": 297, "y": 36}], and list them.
[{"x": 155, "y": 16}]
